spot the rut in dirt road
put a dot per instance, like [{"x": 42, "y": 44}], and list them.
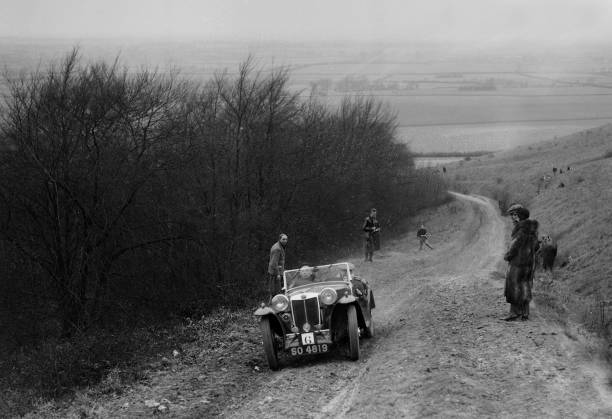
[{"x": 441, "y": 348}]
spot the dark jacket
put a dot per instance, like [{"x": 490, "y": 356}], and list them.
[
  {"x": 521, "y": 259},
  {"x": 370, "y": 225},
  {"x": 277, "y": 259},
  {"x": 371, "y": 229}
]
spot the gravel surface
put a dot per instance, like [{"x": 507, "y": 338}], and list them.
[{"x": 440, "y": 349}]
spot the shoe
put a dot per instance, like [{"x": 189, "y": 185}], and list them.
[
  {"x": 524, "y": 318},
  {"x": 511, "y": 318}
]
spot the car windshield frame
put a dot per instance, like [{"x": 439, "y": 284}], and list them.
[{"x": 317, "y": 275}]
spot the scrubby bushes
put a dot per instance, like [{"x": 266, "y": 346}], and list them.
[{"x": 126, "y": 195}]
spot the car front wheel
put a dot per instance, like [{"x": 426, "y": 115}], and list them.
[
  {"x": 353, "y": 332},
  {"x": 269, "y": 343}
]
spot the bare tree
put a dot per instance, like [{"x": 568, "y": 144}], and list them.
[
  {"x": 86, "y": 142},
  {"x": 137, "y": 190}
]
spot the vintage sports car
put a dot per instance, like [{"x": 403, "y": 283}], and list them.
[{"x": 322, "y": 307}]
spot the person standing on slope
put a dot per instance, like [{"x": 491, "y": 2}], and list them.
[{"x": 521, "y": 262}]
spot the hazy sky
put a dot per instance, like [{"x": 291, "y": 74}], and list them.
[{"x": 291, "y": 20}]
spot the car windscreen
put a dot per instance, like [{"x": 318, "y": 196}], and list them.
[{"x": 316, "y": 274}]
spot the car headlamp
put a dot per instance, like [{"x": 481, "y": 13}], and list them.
[
  {"x": 328, "y": 296},
  {"x": 280, "y": 302}
]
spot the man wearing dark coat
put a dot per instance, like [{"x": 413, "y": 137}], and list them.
[
  {"x": 521, "y": 262},
  {"x": 371, "y": 233},
  {"x": 276, "y": 266}
]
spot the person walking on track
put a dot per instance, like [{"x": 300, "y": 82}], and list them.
[{"x": 423, "y": 235}]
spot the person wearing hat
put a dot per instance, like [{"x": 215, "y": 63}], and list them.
[
  {"x": 521, "y": 262},
  {"x": 371, "y": 235}
]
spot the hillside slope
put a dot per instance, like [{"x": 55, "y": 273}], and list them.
[
  {"x": 440, "y": 349},
  {"x": 572, "y": 206}
]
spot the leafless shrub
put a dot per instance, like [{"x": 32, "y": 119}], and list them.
[{"x": 125, "y": 196}]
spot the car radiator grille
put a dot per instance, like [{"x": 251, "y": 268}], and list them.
[{"x": 306, "y": 311}]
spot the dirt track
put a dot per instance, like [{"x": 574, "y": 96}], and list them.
[{"x": 440, "y": 348}]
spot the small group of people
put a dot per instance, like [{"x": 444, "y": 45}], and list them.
[
  {"x": 276, "y": 265},
  {"x": 371, "y": 230},
  {"x": 521, "y": 257},
  {"x": 371, "y": 234}
]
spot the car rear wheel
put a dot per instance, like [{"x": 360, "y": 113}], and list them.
[
  {"x": 353, "y": 332},
  {"x": 269, "y": 343}
]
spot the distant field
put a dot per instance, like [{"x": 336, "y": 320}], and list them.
[
  {"x": 421, "y": 162},
  {"x": 446, "y": 98},
  {"x": 461, "y": 109},
  {"x": 460, "y": 105},
  {"x": 473, "y": 122},
  {"x": 466, "y": 138}
]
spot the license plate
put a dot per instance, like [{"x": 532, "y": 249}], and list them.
[
  {"x": 310, "y": 349},
  {"x": 308, "y": 338}
]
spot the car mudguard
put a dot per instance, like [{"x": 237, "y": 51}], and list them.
[
  {"x": 338, "y": 315},
  {"x": 262, "y": 311},
  {"x": 347, "y": 299},
  {"x": 275, "y": 321}
]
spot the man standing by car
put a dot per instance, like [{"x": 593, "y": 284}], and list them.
[
  {"x": 276, "y": 266},
  {"x": 371, "y": 235},
  {"x": 521, "y": 262}
]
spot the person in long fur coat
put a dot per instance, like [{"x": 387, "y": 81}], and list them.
[{"x": 521, "y": 262}]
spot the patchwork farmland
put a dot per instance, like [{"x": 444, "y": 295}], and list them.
[{"x": 447, "y": 98}]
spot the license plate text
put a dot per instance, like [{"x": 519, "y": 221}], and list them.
[{"x": 310, "y": 349}]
